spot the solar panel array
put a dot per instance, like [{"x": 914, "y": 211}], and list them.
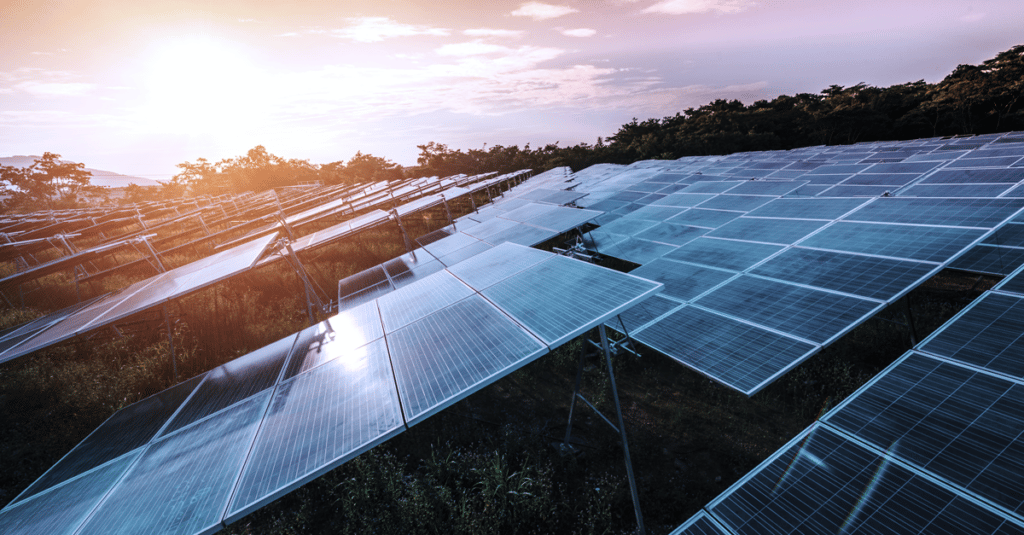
[
  {"x": 935, "y": 443},
  {"x": 769, "y": 257},
  {"x": 212, "y": 449}
]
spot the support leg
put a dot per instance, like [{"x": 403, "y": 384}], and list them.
[
  {"x": 910, "y": 320},
  {"x": 575, "y": 392},
  {"x": 622, "y": 432}
]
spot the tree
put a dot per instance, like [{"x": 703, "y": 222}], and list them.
[{"x": 48, "y": 183}]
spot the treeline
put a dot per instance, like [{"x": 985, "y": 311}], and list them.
[{"x": 973, "y": 99}]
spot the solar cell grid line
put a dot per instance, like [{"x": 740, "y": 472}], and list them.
[
  {"x": 988, "y": 333},
  {"x": 873, "y": 277},
  {"x": 496, "y": 265},
  {"x": 958, "y": 424},
  {"x": 421, "y": 298},
  {"x": 125, "y": 430},
  {"x": 725, "y": 254},
  {"x": 577, "y": 297},
  {"x": 814, "y": 315},
  {"x": 683, "y": 281},
  {"x": 765, "y": 230},
  {"x": 197, "y": 467},
  {"x": 318, "y": 420},
  {"x": 60, "y": 510},
  {"x": 701, "y": 524},
  {"x": 1013, "y": 284},
  {"x": 823, "y": 482},
  {"x": 637, "y": 250},
  {"x": 914, "y": 242},
  {"x": 447, "y": 355},
  {"x": 739, "y": 355},
  {"x": 821, "y": 208},
  {"x": 990, "y": 259}
]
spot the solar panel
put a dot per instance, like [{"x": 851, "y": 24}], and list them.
[
  {"x": 495, "y": 265},
  {"x": 567, "y": 297},
  {"x": 976, "y": 176},
  {"x": 931, "y": 244},
  {"x": 955, "y": 190},
  {"x": 704, "y": 218},
  {"x": 1010, "y": 234},
  {"x": 712, "y": 187},
  {"x": 744, "y": 203},
  {"x": 867, "y": 276},
  {"x": 682, "y": 281},
  {"x": 521, "y": 234},
  {"x": 813, "y": 315},
  {"x": 671, "y": 234},
  {"x": 958, "y": 424},
  {"x": 642, "y": 313},
  {"x": 819, "y": 208},
  {"x": 767, "y": 187},
  {"x": 725, "y": 254},
  {"x": 982, "y": 213},
  {"x": 61, "y": 510},
  {"x": 123, "y": 432},
  {"x": 990, "y": 259},
  {"x": 739, "y": 355},
  {"x": 636, "y": 250},
  {"x": 419, "y": 299},
  {"x": 700, "y": 524},
  {"x": 196, "y": 469},
  {"x": 684, "y": 199},
  {"x": 1013, "y": 284},
  {"x": 778, "y": 231},
  {"x": 453, "y": 352},
  {"x": 989, "y": 334},
  {"x": 318, "y": 420},
  {"x": 824, "y": 483}
]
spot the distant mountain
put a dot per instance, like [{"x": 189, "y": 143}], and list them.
[{"x": 107, "y": 179}]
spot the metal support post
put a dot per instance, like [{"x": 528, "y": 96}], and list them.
[
  {"x": 405, "y": 236},
  {"x": 575, "y": 393},
  {"x": 447, "y": 211},
  {"x": 472, "y": 202},
  {"x": 170, "y": 339},
  {"x": 622, "y": 431},
  {"x": 156, "y": 258},
  {"x": 910, "y": 320},
  {"x": 305, "y": 284}
]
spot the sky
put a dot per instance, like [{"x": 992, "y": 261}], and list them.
[{"x": 138, "y": 87}]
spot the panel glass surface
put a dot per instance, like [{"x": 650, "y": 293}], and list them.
[
  {"x": 497, "y": 264},
  {"x": 626, "y": 226},
  {"x": 560, "y": 298},
  {"x": 338, "y": 335},
  {"x": 465, "y": 253},
  {"x": 990, "y": 259},
  {"x": 196, "y": 469},
  {"x": 712, "y": 187},
  {"x": 319, "y": 420},
  {"x": 961, "y": 425},
  {"x": 824, "y": 483},
  {"x": 521, "y": 234},
  {"x": 642, "y": 313},
  {"x": 984, "y": 213},
  {"x": 975, "y": 176},
  {"x": 954, "y": 190},
  {"x": 877, "y": 278},
  {"x": 637, "y": 250},
  {"x": 1013, "y": 284},
  {"x": 819, "y": 208},
  {"x": 682, "y": 281},
  {"x": 1010, "y": 234},
  {"x": 655, "y": 213},
  {"x": 742, "y": 203},
  {"x": 988, "y": 334},
  {"x": 736, "y": 354},
  {"x": 490, "y": 227},
  {"x": 449, "y": 244},
  {"x": 671, "y": 234},
  {"x": 129, "y": 428},
  {"x": 932, "y": 244},
  {"x": 684, "y": 199},
  {"x": 232, "y": 382},
  {"x": 453, "y": 352},
  {"x": 767, "y": 187},
  {"x": 726, "y": 254},
  {"x": 810, "y": 314},
  {"x": 412, "y": 302},
  {"x": 700, "y": 524},
  {"x": 705, "y": 218},
  {"x": 62, "y": 509},
  {"x": 778, "y": 231}
]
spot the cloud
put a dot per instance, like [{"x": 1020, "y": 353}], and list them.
[
  {"x": 44, "y": 83},
  {"x": 542, "y": 11},
  {"x": 683, "y": 7},
  {"x": 472, "y": 48},
  {"x": 491, "y": 32},
  {"x": 580, "y": 32},
  {"x": 375, "y": 29}
]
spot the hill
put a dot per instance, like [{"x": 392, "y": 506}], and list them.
[{"x": 107, "y": 179}]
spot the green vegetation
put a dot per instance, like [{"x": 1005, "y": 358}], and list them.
[{"x": 47, "y": 183}]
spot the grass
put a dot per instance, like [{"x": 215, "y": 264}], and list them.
[{"x": 490, "y": 463}]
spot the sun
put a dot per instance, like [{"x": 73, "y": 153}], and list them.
[{"x": 201, "y": 83}]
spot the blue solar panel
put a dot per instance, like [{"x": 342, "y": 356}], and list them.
[
  {"x": 989, "y": 334},
  {"x": 932, "y": 244},
  {"x": 778, "y": 231}
]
